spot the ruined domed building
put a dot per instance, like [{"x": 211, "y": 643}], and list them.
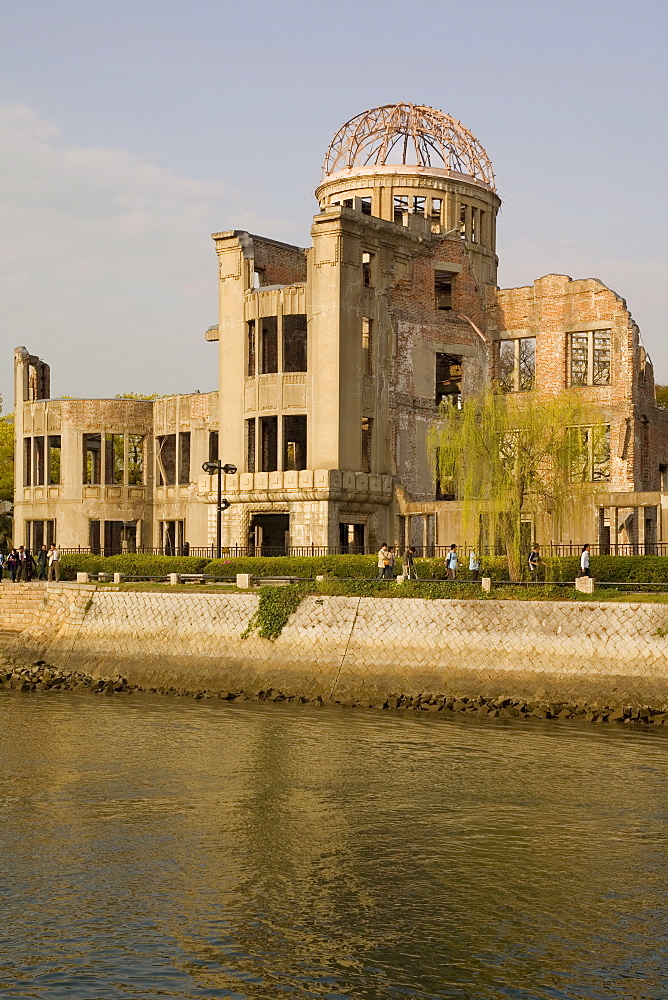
[{"x": 333, "y": 361}]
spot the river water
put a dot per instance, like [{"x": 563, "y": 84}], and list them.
[{"x": 172, "y": 849}]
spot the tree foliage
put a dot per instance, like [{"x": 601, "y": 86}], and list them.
[
  {"x": 506, "y": 458},
  {"x": 7, "y": 458},
  {"x": 661, "y": 392}
]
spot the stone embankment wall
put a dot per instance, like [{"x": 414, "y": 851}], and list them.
[{"x": 347, "y": 649}]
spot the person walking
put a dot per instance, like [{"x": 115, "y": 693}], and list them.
[
  {"x": 12, "y": 564},
  {"x": 53, "y": 572},
  {"x": 474, "y": 565},
  {"x": 389, "y": 564},
  {"x": 30, "y": 566},
  {"x": 410, "y": 573},
  {"x": 21, "y": 565},
  {"x": 383, "y": 557},
  {"x": 2, "y": 563},
  {"x": 584, "y": 561},
  {"x": 535, "y": 562},
  {"x": 42, "y": 557},
  {"x": 451, "y": 562}
]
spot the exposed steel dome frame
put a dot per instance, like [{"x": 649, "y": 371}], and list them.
[{"x": 408, "y": 134}]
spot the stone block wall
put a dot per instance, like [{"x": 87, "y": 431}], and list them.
[{"x": 349, "y": 649}]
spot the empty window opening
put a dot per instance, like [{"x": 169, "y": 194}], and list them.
[
  {"x": 589, "y": 357},
  {"x": 92, "y": 459},
  {"x": 39, "y": 533},
  {"x": 250, "y": 348},
  {"x": 419, "y": 201},
  {"x": 474, "y": 225},
  {"x": 367, "y": 346},
  {"x": 54, "y": 460},
  {"x": 250, "y": 445},
  {"x": 269, "y": 345},
  {"x": 294, "y": 443},
  {"x": 172, "y": 537},
  {"x": 449, "y": 380},
  {"x": 136, "y": 459},
  {"x": 258, "y": 278},
  {"x": 367, "y": 442},
  {"x": 483, "y": 223},
  {"x": 367, "y": 268},
  {"x": 400, "y": 206},
  {"x": 443, "y": 289},
  {"x": 38, "y": 460},
  {"x": 94, "y": 537},
  {"x": 294, "y": 343},
  {"x": 348, "y": 202},
  {"x": 270, "y": 534},
  {"x": 269, "y": 443},
  {"x": 591, "y": 454},
  {"x": 366, "y": 205},
  {"x": 113, "y": 459},
  {"x": 120, "y": 537},
  {"x": 351, "y": 538},
  {"x": 663, "y": 478},
  {"x": 213, "y": 446},
  {"x": 184, "y": 458},
  {"x": 27, "y": 461},
  {"x": 516, "y": 364},
  {"x": 462, "y": 222},
  {"x": 436, "y": 204},
  {"x": 166, "y": 459}
]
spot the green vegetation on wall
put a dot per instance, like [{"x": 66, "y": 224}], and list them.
[{"x": 275, "y": 606}]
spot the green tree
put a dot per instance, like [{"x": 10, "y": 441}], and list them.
[
  {"x": 661, "y": 392},
  {"x": 513, "y": 457},
  {"x": 6, "y": 477}
]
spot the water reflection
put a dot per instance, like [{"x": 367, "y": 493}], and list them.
[{"x": 172, "y": 849}]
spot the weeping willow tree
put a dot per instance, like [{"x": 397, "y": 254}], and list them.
[{"x": 511, "y": 457}]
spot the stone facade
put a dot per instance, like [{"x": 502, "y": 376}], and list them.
[
  {"x": 333, "y": 361},
  {"x": 346, "y": 649}
]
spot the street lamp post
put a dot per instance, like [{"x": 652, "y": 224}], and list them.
[{"x": 222, "y": 504}]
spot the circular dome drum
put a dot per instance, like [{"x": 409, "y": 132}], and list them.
[{"x": 408, "y": 134}]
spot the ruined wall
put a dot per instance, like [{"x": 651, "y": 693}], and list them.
[{"x": 352, "y": 649}]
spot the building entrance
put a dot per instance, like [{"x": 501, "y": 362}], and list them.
[
  {"x": 270, "y": 534},
  {"x": 351, "y": 538}
]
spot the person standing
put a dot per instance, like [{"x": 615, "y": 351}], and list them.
[
  {"x": 534, "y": 563},
  {"x": 53, "y": 572},
  {"x": 451, "y": 562},
  {"x": 389, "y": 564},
  {"x": 42, "y": 557},
  {"x": 30, "y": 566},
  {"x": 410, "y": 572},
  {"x": 474, "y": 565},
  {"x": 2, "y": 563},
  {"x": 383, "y": 556},
  {"x": 584, "y": 561},
  {"x": 21, "y": 566},
  {"x": 12, "y": 564}
]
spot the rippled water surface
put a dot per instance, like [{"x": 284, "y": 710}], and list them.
[{"x": 158, "y": 848}]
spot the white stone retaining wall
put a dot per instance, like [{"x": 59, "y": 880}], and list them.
[{"x": 348, "y": 648}]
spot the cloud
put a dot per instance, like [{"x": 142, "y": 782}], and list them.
[{"x": 106, "y": 265}]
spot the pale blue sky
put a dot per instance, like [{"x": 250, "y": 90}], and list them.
[{"x": 132, "y": 130}]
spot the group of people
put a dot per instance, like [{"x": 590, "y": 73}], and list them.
[
  {"x": 23, "y": 567},
  {"x": 387, "y": 559}
]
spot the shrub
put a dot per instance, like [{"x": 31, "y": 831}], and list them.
[
  {"x": 131, "y": 564},
  {"x": 304, "y": 567}
]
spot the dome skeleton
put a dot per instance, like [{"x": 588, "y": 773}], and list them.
[{"x": 423, "y": 135}]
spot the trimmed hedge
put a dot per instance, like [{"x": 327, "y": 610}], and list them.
[{"x": 131, "y": 564}]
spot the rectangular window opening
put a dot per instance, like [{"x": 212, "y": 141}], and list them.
[
  {"x": 474, "y": 225},
  {"x": 213, "y": 446},
  {"x": 449, "y": 380},
  {"x": 113, "y": 459},
  {"x": 294, "y": 343},
  {"x": 136, "y": 444},
  {"x": 367, "y": 346},
  {"x": 418, "y": 204},
  {"x": 516, "y": 364},
  {"x": 462, "y": 221},
  {"x": 400, "y": 204},
  {"x": 367, "y": 265},
  {"x": 27, "y": 461},
  {"x": 443, "y": 289},
  {"x": 250, "y": 445},
  {"x": 367, "y": 436},
  {"x": 366, "y": 205},
  {"x": 294, "y": 442},
  {"x": 269, "y": 345},
  {"x": 92, "y": 459},
  {"x": 38, "y": 458},
  {"x": 250, "y": 348},
  {"x": 184, "y": 458},
  {"x": 54, "y": 460},
  {"x": 269, "y": 443},
  {"x": 165, "y": 455}
]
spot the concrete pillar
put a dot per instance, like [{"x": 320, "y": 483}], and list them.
[
  {"x": 487, "y": 584},
  {"x": 640, "y": 532},
  {"x": 174, "y": 579},
  {"x": 585, "y": 584},
  {"x": 118, "y": 578},
  {"x": 614, "y": 530},
  {"x": 244, "y": 581},
  {"x": 83, "y": 577}
]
